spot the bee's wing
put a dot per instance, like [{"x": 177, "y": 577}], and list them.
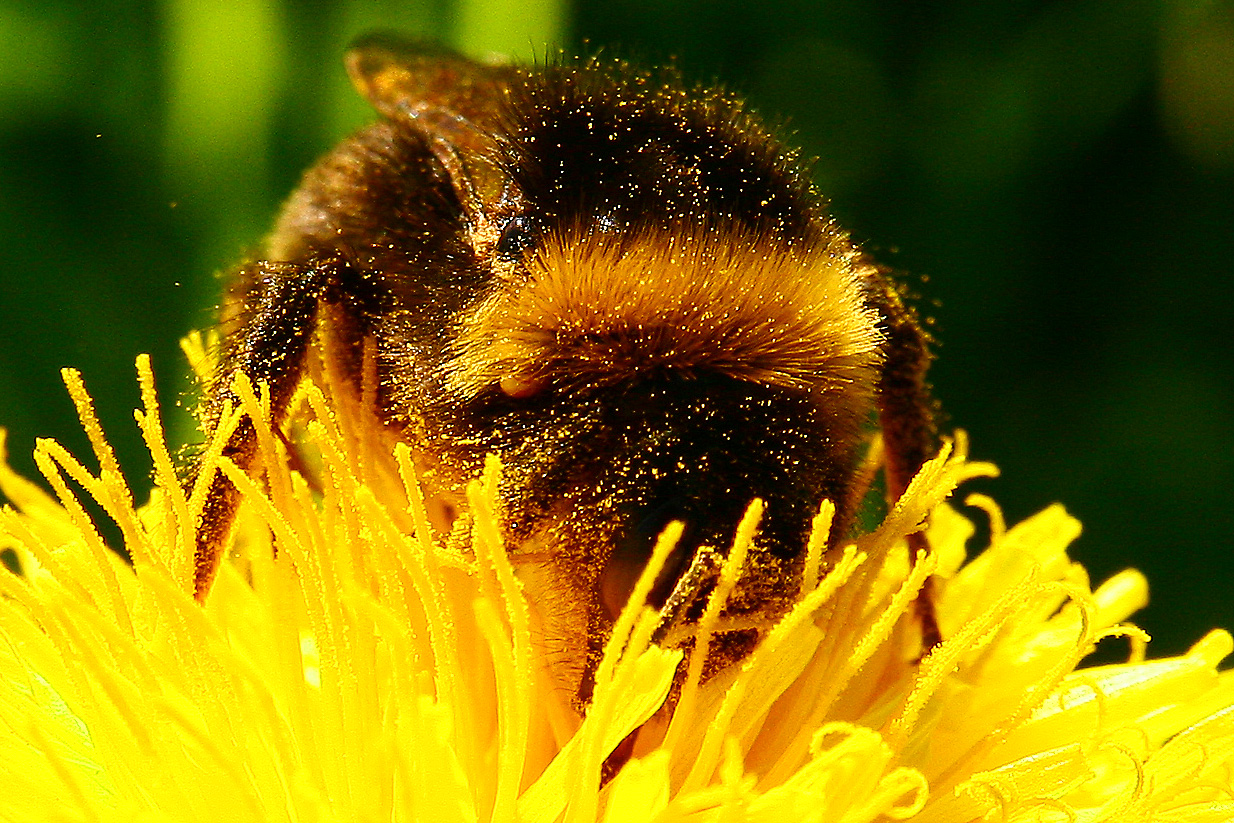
[
  {"x": 456, "y": 102},
  {"x": 442, "y": 91}
]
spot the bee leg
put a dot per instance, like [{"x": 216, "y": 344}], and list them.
[
  {"x": 907, "y": 417},
  {"x": 281, "y": 305},
  {"x": 618, "y": 757}
]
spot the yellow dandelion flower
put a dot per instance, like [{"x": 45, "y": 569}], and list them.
[{"x": 362, "y": 671}]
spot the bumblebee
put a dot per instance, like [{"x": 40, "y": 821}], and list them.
[{"x": 624, "y": 287}]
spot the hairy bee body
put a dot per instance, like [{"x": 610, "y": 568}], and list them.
[{"x": 626, "y": 289}]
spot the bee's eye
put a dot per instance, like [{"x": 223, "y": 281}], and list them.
[
  {"x": 633, "y": 549},
  {"x": 516, "y": 236}
]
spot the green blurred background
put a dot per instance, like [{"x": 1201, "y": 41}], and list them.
[{"x": 1060, "y": 175}]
